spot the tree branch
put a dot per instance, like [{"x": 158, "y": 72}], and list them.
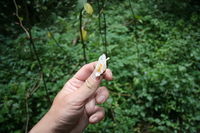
[
  {"x": 32, "y": 43},
  {"x": 82, "y": 41},
  {"x": 27, "y": 116},
  {"x": 35, "y": 51},
  {"x": 20, "y": 20}
]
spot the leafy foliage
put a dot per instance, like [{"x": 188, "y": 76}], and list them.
[{"x": 154, "y": 54}]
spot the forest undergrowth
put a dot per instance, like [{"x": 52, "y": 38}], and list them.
[{"x": 154, "y": 50}]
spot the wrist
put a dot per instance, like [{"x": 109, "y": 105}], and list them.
[{"x": 45, "y": 125}]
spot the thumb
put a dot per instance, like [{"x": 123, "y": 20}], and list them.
[{"x": 89, "y": 87}]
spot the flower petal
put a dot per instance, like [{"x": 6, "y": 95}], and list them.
[{"x": 101, "y": 65}]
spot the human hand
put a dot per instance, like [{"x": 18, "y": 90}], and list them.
[{"x": 75, "y": 107}]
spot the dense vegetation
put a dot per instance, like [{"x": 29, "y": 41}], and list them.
[{"x": 154, "y": 50}]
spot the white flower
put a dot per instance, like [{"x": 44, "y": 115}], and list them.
[{"x": 101, "y": 65}]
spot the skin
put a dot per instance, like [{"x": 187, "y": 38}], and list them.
[{"x": 75, "y": 107}]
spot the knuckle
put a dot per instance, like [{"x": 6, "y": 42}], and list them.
[{"x": 89, "y": 84}]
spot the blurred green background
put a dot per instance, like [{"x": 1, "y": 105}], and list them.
[{"x": 154, "y": 50}]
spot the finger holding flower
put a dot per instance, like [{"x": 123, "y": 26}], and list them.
[{"x": 75, "y": 107}]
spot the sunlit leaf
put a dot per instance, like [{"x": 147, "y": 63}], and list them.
[
  {"x": 84, "y": 34},
  {"x": 88, "y": 8}
]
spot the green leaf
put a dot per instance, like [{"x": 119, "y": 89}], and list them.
[
  {"x": 157, "y": 121},
  {"x": 21, "y": 18},
  {"x": 163, "y": 82},
  {"x": 182, "y": 68},
  {"x": 138, "y": 17},
  {"x": 81, "y": 4},
  {"x": 32, "y": 66},
  {"x": 88, "y": 8}
]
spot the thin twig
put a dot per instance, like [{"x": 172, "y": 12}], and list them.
[
  {"x": 32, "y": 43},
  {"x": 33, "y": 90},
  {"x": 26, "y": 102},
  {"x": 113, "y": 115},
  {"x": 73, "y": 69},
  {"x": 137, "y": 47},
  {"x": 35, "y": 51},
  {"x": 27, "y": 116},
  {"x": 99, "y": 17},
  {"x": 112, "y": 112},
  {"x": 20, "y": 21},
  {"x": 104, "y": 5},
  {"x": 100, "y": 11},
  {"x": 54, "y": 39},
  {"x": 105, "y": 34},
  {"x": 71, "y": 72},
  {"x": 82, "y": 41}
]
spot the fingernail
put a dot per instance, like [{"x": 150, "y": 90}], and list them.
[
  {"x": 101, "y": 99},
  {"x": 95, "y": 119},
  {"x": 95, "y": 77}
]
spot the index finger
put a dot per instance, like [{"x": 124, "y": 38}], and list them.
[
  {"x": 88, "y": 69},
  {"x": 90, "y": 82},
  {"x": 85, "y": 71}
]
